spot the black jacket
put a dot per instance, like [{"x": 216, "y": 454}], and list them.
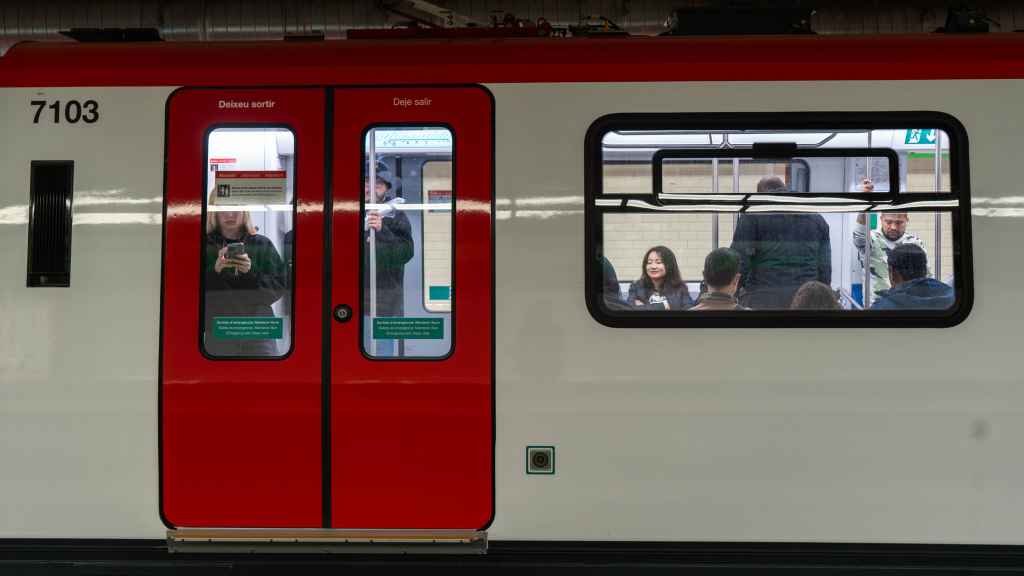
[
  {"x": 249, "y": 294},
  {"x": 394, "y": 249},
  {"x": 678, "y": 299},
  {"x": 778, "y": 253},
  {"x": 918, "y": 294}
]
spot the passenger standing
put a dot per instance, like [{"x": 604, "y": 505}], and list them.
[
  {"x": 244, "y": 277},
  {"x": 393, "y": 248},
  {"x": 779, "y": 252},
  {"x": 660, "y": 286},
  {"x": 722, "y": 278},
  {"x": 912, "y": 289},
  {"x": 883, "y": 242}
]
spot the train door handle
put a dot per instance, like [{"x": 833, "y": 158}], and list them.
[{"x": 342, "y": 313}]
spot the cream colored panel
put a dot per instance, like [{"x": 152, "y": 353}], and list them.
[
  {"x": 629, "y": 236},
  {"x": 437, "y": 237},
  {"x": 78, "y": 365},
  {"x": 726, "y": 434}
]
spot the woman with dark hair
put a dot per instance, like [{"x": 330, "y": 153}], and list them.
[
  {"x": 815, "y": 295},
  {"x": 660, "y": 286}
]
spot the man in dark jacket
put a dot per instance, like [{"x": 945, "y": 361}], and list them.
[
  {"x": 779, "y": 252},
  {"x": 392, "y": 238},
  {"x": 911, "y": 287}
]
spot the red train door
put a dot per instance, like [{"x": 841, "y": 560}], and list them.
[
  {"x": 411, "y": 398},
  {"x": 242, "y": 309},
  {"x": 333, "y": 376}
]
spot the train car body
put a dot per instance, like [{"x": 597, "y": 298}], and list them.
[{"x": 120, "y": 420}]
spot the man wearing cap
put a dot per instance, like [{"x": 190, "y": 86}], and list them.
[
  {"x": 722, "y": 278},
  {"x": 392, "y": 237},
  {"x": 883, "y": 242},
  {"x": 912, "y": 289},
  {"x": 780, "y": 252}
]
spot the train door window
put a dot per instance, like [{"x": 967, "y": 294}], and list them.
[
  {"x": 248, "y": 248},
  {"x": 408, "y": 241},
  {"x": 782, "y": 219}
]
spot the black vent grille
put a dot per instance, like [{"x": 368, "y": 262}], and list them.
[{"x": 49, "y": 223}]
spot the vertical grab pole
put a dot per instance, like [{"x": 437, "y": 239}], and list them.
[
  {"x": 735, "y": 189},
  {"x": 371, "y": 150},
  {"x": 938, "y": 215},
  {"x": 867, "y": 235},
  {"x": 714, "y": 216}
]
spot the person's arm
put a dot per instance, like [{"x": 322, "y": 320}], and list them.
[
  {"x": 216, "y": 279},
  {"x": 743, "y": 241},
  {"x": 859, "y": 233},
  {"x": 266, "y": 281},
  {"x": 394, "y": 241}
]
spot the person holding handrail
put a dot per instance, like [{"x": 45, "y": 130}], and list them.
[
  {"x": 893, "y": 233},
  {"x": 391, "y": 235}
]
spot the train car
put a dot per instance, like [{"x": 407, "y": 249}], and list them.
[{"x": 635, "y": 300}]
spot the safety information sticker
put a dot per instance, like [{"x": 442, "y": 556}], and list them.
[
  {"x": 248, "y": 327},
  {"x": 408, "y": 328},
  {"x": 239, "y": 187}
]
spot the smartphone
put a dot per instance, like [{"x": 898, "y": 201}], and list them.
[{"x": 235, "y": 249}]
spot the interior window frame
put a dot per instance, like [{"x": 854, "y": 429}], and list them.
[
  {"x": 202, "y": 242},
  {"x": 363, "y": 271},
  {"x": 596, "y": 204}
]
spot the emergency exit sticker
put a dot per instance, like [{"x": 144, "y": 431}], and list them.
[
  {"x": 921, "y": 136},
  {"x": 239, "y": 187},
  {"x": 408, "y": 328},
  {"x": 248, "y": 327}
]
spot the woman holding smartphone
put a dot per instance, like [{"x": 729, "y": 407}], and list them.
[{"x": 245, "y": 275}]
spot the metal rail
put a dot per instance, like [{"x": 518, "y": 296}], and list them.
[
  {"x": 938, "y": 215},
  {"x": 325, "y": 541}
]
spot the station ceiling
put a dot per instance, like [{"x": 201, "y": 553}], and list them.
[{"x": 209, "y": 20}]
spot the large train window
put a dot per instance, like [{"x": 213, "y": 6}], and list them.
[
  {"x": 769, "y": 219},
  {"x": 247, "y": 259},
  {"x": 408, "y": 242}
]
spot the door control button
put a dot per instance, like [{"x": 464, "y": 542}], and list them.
[{"x": 342, "y": 313}]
